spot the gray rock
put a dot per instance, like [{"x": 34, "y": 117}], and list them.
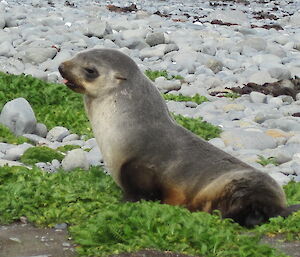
[
  {"x": 4, "y": 147},
  {"x": 18, "y": 116},
  {"x": 215, "y": 65},
  {"x": 257, "y": 97},
  {"x": 2, "y": 20},
  {"x": 7, "y": 50},
  {"x": 41, "y": 130},
  {"x": 10, "y": 163},
  {"x": 94, "y": 157},
  {"x": 70, "y": 137},
  {"x": 155, "y": 51},
  {"x": 217, "y": 142},
  {"x": 156, "y": 38},
  {"x": 73, "y": 142},
  {"x": 61, "y": 226},
  {"x": 37, "y": 55},
  {"x": 45, "y": 167},
  {"x": 243, "y": 139},
  {"x": 97, "y": 29},
  {"x": 256, "y": 43},
  {"x": 167, "y": 85},
  {"x": 14, "y": 154},
  {"x": 275, "y": 101},
  {"x": 56, "y": 164},
  {"x": 279, "y": 73},
  {"x": 57, "y": 134},
  {"x": 294, "y": 140},
  {"x": 280, "y": 178},
  {"x": 285, "y": 124},
  {"x": 37, "y": 139},
  {"x": 261, "y": 77},
  {"x": 75, "y": 159},
  {"x": 90, "y": 143}
]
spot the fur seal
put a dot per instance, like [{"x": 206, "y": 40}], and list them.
[{"x": 151, "y": 157}]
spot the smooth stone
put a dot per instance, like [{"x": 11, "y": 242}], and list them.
[
  {"x": 10, "y": 163},
  {"x": 280, "y": 154},
  {"x": 243, "y": 139},
  {"x": 153, "y": 39},
  {"x": 18, "y": 116},
  {"x": 2, "y": 20},
  {"x": 56, "y": 164},
  {"x": 75, "y": 159},
  {"x": 294, "y": 140},
  {"x": 155, "y": 51},
  {"x": 217, "y": 142},
  {"x": 57, "y": 134},
  {"x": 168, "y": 85},
  {"x": 41, "y": 130},
  {"x": 37, "y": 55},
  {"x": 14, "y": 154},
  {"x": 257, "y": 97},
  {"x": 94, "y": 157},
  {"x": 261, "y": 77},
  {"x": 275, "y": 101},
  {"x": 7, "y": 50},
  {"x": 73, "y": 142},
  {"x": 45, "y": 167},
  {"x": 91, "y": 143},
  {"x": 256, "y": 43},
  {"x": 234, "y": 107},
  {"x": 285, "y": 124},
  {"x": 279, "y": 73},
  {"x": 4, "y": 147},
  {"x": 97, "y": 29},
  {"x": 230, "y": 16},
  {"x": 214, "y": 64},
  {"x": 71, "y": 137},
  {"x": 280, "y": 178},
  {"x": 38, "y": 140},
  {"x": 191, "y": 104}
]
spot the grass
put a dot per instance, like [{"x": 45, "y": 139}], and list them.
[
  {"x": 40, "y": 154},
  {"x": 89, "y": 201},
  {"x": 56, "y": 105},
  {"x": 265, "y": 161},
  {"x": 199, "y": 99},
  {"x": 154, "y": 74},
  {"x": 6, "y": 136}
]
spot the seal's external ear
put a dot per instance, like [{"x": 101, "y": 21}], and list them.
[{"x": 120, "y": 76}]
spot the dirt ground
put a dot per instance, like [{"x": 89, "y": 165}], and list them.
[{"x": 25, "y": 240}]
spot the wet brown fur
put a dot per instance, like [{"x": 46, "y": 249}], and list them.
[{"x": 151, "y": 157}]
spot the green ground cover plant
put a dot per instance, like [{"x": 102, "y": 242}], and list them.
[
  {"x": 90, "y": 202},
  {"x": 199, "y": 99},
  {"x": 56, "y": 105},
  {"x": 265, "y": 161},
  {"x": 40, "y": 154},
  {"x": 154, "y": 74},
  {"x": 6, "y": 136}
]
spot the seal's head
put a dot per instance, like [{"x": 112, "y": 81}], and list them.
[{"x": 94, "y": 70}]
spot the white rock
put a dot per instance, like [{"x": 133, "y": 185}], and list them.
[
  {"x": 231, "y": 16},
  {"x": 261, "y": 77},
  {"x": 257, "y": 97},
  {"x": 41, "y": 130},
  {"x": 57, "y": 134},
  {"x": 18, "y": 116},
  {"x": 75, "y": 159},
  {"x": 14, "y": 154}
]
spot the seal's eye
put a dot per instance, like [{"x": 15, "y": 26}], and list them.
[{"x": 91, "y": 72}]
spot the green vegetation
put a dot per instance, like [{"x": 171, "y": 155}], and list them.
[
  {"x": 198, "y": 127},
  {"x": 154, "y": 74},
  {"x": 53, "y": 104},
  {"x": 232, "y": 95},
  {"x": 199, "y": 99},
  {"x": 265, "y": 161},
  {"x": 40, "y": 154},
  {"x": 89, "y": 201},
  {"x": 6, "y": 136},
  {"x": 67, "y": 148}
]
